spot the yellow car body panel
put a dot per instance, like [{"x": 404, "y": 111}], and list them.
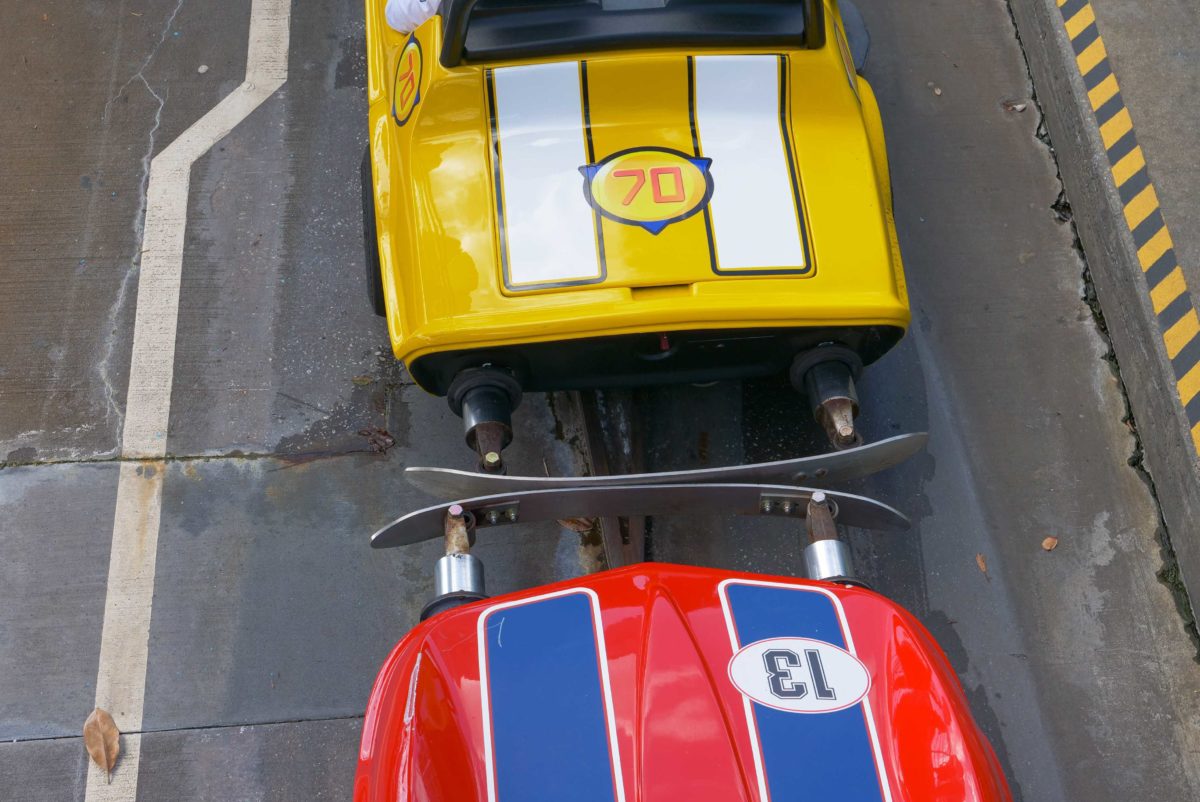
[{"x": 446, "y": 211}]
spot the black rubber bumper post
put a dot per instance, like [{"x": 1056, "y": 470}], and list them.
[
  {"x": 826, "y": 375},
  {"x": 485, "y": 399}
]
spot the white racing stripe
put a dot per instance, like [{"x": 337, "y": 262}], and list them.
[
  {"x": 756, "y": 225},
  {"x": 549, "y": 234},
  {"x": 121, "y": 677}
]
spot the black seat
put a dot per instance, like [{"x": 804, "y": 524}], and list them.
[{"x": 481, "y": 31}]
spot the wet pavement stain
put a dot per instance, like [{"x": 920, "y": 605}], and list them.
[
  {"x": 22, "y": 456},
  {"x": 351, "y": 69}
]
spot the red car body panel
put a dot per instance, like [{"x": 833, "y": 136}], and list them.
[{"x": 519, "y": 716}]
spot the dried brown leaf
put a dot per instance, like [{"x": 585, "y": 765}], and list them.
[
  {"x": 379, "y": 440},
  {"x": 102, "y": 740},
  {"x": 1049, "y": 543},
  {"x": 577, "y": 524},
  {"x": 981, "y": 561}
]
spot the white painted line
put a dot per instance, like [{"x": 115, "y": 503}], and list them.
[{"x": 124, "y": 642}]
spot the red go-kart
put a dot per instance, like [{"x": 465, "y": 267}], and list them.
[{"x": 664, "y": 683}]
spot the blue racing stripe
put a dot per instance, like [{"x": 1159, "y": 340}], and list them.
[
  {"x": 817, "y": 756},
  {"x": 549, "y": 732}
]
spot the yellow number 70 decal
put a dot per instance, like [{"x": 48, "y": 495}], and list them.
[
  {"x": 406, "y": 86},
  {"x": 648, "y": 187}
]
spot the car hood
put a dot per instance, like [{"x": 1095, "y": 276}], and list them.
[
  {"x": 662, "y": 683},
  {"x": 631, "y": 192},
  {"x": 651, "y": 170}
]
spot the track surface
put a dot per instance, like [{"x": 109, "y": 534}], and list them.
[{"x": 270, "y": 612}]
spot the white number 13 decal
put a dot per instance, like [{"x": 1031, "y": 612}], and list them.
[{"x": 784, "y": 669}]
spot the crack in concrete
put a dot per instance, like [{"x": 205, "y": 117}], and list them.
[
  {"x": 197, "y": 728},
  {"x": 90, "y": 228},
  {"x": 1168, "y": 574},
  {"x": 293, "y": 458},
  {"x": 140, "y": 74},
  {"x": 114, "y": 409}
]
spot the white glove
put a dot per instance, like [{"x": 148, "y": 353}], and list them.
[{"x": 407, "y": 15}]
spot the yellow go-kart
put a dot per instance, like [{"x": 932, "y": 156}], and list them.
[{"x": 576, "y": 194}]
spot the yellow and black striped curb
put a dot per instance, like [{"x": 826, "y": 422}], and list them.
[{"x": 1164, "y": 280}]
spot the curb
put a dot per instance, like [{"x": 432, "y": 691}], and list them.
[{"x": 1127, "y": 294}]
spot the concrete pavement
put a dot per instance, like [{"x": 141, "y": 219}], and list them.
[{"x": 1118, "y": 82}]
